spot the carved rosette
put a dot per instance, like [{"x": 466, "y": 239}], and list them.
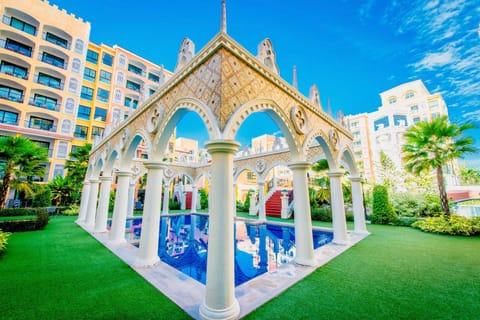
[
  {"x": 299, "y": 119},
  {"x": 260, "y": 165},
  {"x": 333, "y": 138},
  {"x": 154, "y": 118},
  {"x": 168, "y": 173},
  {"x": 124, "y": 138}
]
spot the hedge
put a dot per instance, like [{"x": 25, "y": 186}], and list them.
[{"x": 37, "y": 223}]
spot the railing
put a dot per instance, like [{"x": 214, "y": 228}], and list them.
[
  {"x": 8, "y": 96},
  {"x": 49, "y": 83},
  {"x": 48, "y": 106},
  {"x": 16, "y": 75},
  {"x": 8, "y": 20},
  {"x": 11, "y": 123},
  {"x": 56, "y": 42},
  {"x": 52, "y": 61},
  {"x": 15, "y": 48},
  {"x": 40, "y": 126}
]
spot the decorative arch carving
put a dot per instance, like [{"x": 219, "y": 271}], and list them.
[{"x": 324, "y": 143}]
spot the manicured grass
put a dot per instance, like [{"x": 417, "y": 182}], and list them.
[
  {"x": 10, "y": 218},
  {"x": 63, "y": 273},
  {"x": 396, "y": 273}
]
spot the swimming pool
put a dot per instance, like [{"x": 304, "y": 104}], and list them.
[{"x": 259, "y": 248}]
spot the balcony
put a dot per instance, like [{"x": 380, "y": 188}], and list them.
[
  {"x": 49, "y": 82},
  {"x": 53, "y": 106},
  {"x": 52, "y": 60},
  {"x": 39, "y": 125},
  {"x": 16, "y": 47},
  {"x": 20, "y": 25},
  {"x": 10, "y": 95},
  {"x": 52, "y": 38},
  {"x": 16, "y": 74}
]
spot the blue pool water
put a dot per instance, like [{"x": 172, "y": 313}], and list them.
[{"x": 183, "y": 244}]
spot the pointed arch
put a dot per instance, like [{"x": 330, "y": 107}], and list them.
[
  {"x": 346, "y": 156},
  {"x": 322, "y": 139}
]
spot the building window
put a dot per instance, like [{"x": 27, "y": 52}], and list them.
[
  {"x": 97, "y": 132},
  {"x": 435, "y": 115},
  {"x": 135, "y": 69},
  {"x": 89, "y": 74},
  {"x": 100, "y": 114},
  {"x": 399, "y": 120},
  {"x": 40, "y": 123},
  {"x": 122, "y": 60},
  {"x": 358, "y": 154},
  {"x": 66, "y": 126},
  {"x": 153, "y": 77},
  {"x": 81, "y": 132},
  {"x": 356, "y": 134},
  {"x": 107, "y": 59},
  {"x": 70, "y": 106},
  {"x": 49, "y": 81},
  {"x": 131, "y": 103},
  {"x": 410, "y": 94},
  {"x": 120, "y": 77},
  {"x": 50, "y": 37},
  {"x": 414, "y": 108},
  {"x": 79, "y": 46},
  {"x": 53, "y": 60},
  {"x": 45, "y": 102},
  {"x": 87, "y": 93},
  {"x": 11, "y": 94},
  {"x": 381, "y": 123},
  {"x": 117, "y": 96},
  {"x": 416, "y": 120},
  {"x": 357, "y": 143},
  {"x": 151, "y": 91},
  {"x": 433, "y": 104},
  {"x": 7, "y": 117},
  {"x": 392, "y": 100},
  {"x": 76, "y": 65},
  {"x": 13, "y": 70},
  {"x": 354, "y": 124},
  {"x": 59, "y": 169},
  {"x": 18, "y": 47},
  {"x": 84, "y": 112},
  {"x": 73, "y": 85},
  {"x": 92, "y": 56},
  {"x": 133, "y": 86},
  {"x": 102, "y": 95},
  {"x": 23, "y": 26},
  {"x": 62, "y": 150},
  {"x": 105, "y": 77}
]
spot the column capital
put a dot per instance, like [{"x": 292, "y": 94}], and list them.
[
  {"x": 154, "y": 165},
  {"x": 222, "y": 146},
  {"x": 123, "y": 173},
  {"x": 105, "y": 179},
  {"x": 336, "y": 174},
  {"x": 261, "y": 183},
  {"x": 299, "y": 165},
  {"x": 355, "y": 179},
  {"x": 94, "y": 181},
  {"x": 86, "y": 182}
]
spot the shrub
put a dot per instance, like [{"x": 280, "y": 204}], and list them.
[
  {"x": 71, "y": 210},
  {"x": 383, "y": 212},
  {"x": 322, "y": 214},
  {"x": 43, "y": 198},
  {"x": 417, "y": 205},
  {"x": 37, "y": 223},
  {"x": 3, "y": 240},
  {"x": 203, "y": 199},
  {"x": 173, "y": 205},
  {"x": 452, "y": 225}
]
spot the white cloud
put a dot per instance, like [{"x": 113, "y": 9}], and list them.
[{"x": 436, "y": 59}]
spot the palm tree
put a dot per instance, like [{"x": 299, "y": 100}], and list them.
[
  {"x": 470, "y": 176},
  {"x": 62, "y": 190},
  {"x": 21, "y": 159},
  {"x": 431, "y": 145},
  {"x": 77, "y": 165}
]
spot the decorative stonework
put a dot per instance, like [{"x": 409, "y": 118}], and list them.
[
  {"x": 333, "y": 138},
  {"x": 299, "y": 119},
  {"x": 168, "y": 173},
  {"x": 124, "y": 138},
  {"x": 154, "y": 119},
  {"x": 260, "y": 165}
]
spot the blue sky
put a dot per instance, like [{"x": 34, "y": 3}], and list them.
[{"x": 352, "y": 50}]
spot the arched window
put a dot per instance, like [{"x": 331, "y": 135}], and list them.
[
  {"x": 73, "y": 85},
  {"x": 66, "y": 126},
  {"x": 70, "y": 106},
  {"x": 76, "y": 65},
  {"x": 120, "y": 78},
  {"x": 79, "y": 46}
]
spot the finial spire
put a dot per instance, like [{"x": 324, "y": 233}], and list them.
[
  {"x": 223, "y": 23},
  {"x": 294, "y": 78}
]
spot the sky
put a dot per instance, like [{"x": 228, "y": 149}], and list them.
[{"x": 352, "y": 50}]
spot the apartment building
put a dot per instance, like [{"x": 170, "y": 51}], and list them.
[
  {"x": 382, "y": 130},
  {"x": 42, "y": 50}
]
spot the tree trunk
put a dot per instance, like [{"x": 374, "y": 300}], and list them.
[
  {"x": 443, "y": 193},
  {"x": 5, "y": 189}
]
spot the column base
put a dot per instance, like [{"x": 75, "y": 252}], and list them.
[
  {"x": 80, "y": 222},
  {"x": 145, "y": 263},
  {"x": 305, "y": 262},
  {"x": 230, "y": 313},
  {"x": 89, "y": 227},
  {"x": 100, "y": 230},
  {"x": 341, "y": 242},
  {"x": 362, "y": 232},
  {"x": 117, "y": 241}
]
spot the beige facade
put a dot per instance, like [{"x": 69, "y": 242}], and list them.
[
  {"x": 382, "y": 130},
  {"x": 42, "y": 50}
]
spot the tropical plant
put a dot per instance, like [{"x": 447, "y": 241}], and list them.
[
  {"x": 470, "y": 176},
  {"x": 62, "y": 190},
  {"x": 42, "y": 197},
  {"x": 3, "y": 240},
  {"x": 21, "y": 160},
  {"x": 77, "y": 167},
  {"x": 432, "y": 145},
  {"x": 382, "y": 210}
]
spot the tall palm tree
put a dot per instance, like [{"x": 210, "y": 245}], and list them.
[
  {"x": 20, "y": 160},
  {"x": 431, "y": 145}
]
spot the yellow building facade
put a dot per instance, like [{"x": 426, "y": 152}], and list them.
[{"x": 42, "y": 52}]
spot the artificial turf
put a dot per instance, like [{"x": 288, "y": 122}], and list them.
[{"x": 396, "y": 273}]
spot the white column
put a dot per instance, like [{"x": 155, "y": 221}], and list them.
[
  {"x": 220, "y": 301},
  {"x": 193, "y": 208},
  {"x": 234, "y": 200},
  {"x": 102, "y": 210},
  {"x": 166, "y": 198},
  {"x": 358, "y": 208},
  {"x": 131, "y": 198},
  {"x": 252, "y": 210},
  {"x": 303, "y": 221},
  {"x": 285, "y": 208},
  {"x": 183, "y": 204},
  {"x": 92, "y": 205},
  {"x": 148, "y": 249},
  {"x": 262, "y": 215},
  {"x": 82, "y": 212},
  {"x": 338, "y": 207},
  {"x": 119, "y": 219}
]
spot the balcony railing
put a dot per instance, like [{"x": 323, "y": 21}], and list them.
[
  {"x": 40, "y": 126},
  {"x": 15, "y": 74},
  {"x": 32, "y": 30},
  {"x": 16, "y": 48},
  {"x": 11, "y": 97},
  {"x": 57, "y": 42},
  {"x": 44, "y": 105},
  {"x": 49, "y": 83},
  {"x": 9, "y": 122},
  {"x": 52, "y": 61}
]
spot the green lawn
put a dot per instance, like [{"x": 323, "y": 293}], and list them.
[{"x": 396, "y": 273}]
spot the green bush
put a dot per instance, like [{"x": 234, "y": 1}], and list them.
[
  {"x": 321, "y": 214},
  {"x": 203, "y": 199},
  {"x": 452, "y": 225},
  {"x": 71, "y": 210},
  {"x": 43, "y": 198},
  {"x": 382, "y": 211},
  {"x": 173, "y": 205},
  {"x": 37, "y": 223},
  {"x": 3, "y": 240}
]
